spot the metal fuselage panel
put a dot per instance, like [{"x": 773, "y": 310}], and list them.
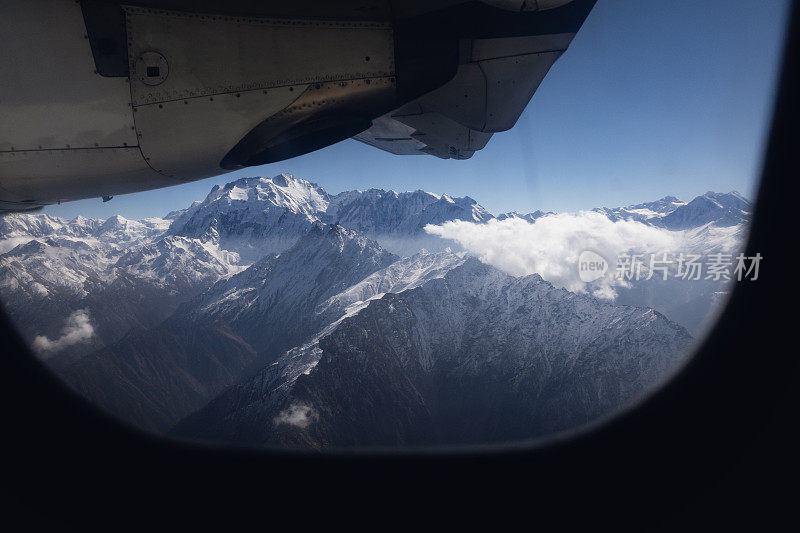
[
  {"x": 52, "y": 102},
  {"x": 495, "y": 80},
  {"x": 228, "y": 74},
  {"x": 100, "y": 97},
  {"x": 198, "y": 84}
]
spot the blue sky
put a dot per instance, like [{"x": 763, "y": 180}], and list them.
[{"x": 651, "y": 99}]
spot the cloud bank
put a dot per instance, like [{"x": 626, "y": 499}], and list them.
[
  {"x": 76, "y": 329},
  {"x": 550, "y": 246}
]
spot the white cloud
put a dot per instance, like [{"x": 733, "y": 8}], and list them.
[
  {"x": 299, "y": 415},
  {"x": 76, "y": 329},
  {"x": 551, "y": 245}
]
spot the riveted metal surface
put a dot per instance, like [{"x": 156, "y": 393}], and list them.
[
  {"x": 527, "y": 5},
  {"x": 332, "y": 95},
  {"x": 229, "y": 74},
  {"x": 213, "y": 54},
  {"x": 484, "y": 49},
  {"x": 48, "y": 176},
  {"x": 448, "y": 131},
  {"x": 390, "y": 135},
  {"x": 332, "y": 102},
  {"x": 50, "y": 95},
  {"x": 510, "y": 84},
  {"x": 490, "y": 94},
  {"x": 152, "y": 68},
  {"x": 494, "y": 82},
  {"x": 186, "y": 139},
  {"x": 463, "y": 99}
]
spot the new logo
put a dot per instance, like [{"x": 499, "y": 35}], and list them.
[{"x": 591, "y": 266}]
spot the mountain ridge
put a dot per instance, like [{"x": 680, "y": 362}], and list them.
[
  {"x": 189, "y": 250},
  {"x": 405, "y": 356}
]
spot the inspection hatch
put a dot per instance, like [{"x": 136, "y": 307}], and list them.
[{"x": 152, "y": 68}]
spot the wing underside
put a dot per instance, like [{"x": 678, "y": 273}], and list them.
[{"x": 494, "y": 82}]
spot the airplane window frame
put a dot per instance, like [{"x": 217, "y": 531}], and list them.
[{"x": 688, "y": 435}]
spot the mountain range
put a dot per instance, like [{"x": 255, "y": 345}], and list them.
[
  {"x": 274, "y": 313},
  {"x": 470, "y": 356}
]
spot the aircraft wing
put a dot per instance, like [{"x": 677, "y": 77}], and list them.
[
  {"x": 495, "y": 80},
  {"x": 108, "y": 97}
]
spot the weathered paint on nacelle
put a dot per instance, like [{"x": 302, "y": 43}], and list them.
[{"x": 527, "y": 5}]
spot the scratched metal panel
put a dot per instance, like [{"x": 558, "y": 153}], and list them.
[
  {"x": 494, "y": 83},
  {"x": 490, "y": 95},
  {"x": 447, "y": 131},
  {"x": 510, "y": 84},
  {"x": 463, "y": 99},
  {"x": 188, "y": 138},
  {"x": 48, "y": 176},
  {"x": 212, "y": 54},
  {"x": 391, "y": 136},
  {"x": 483, "y": 49},
  {"x": 527, "y": 5},
  {"x": 408, "y": 131},
  {"x": 50, "y": 95}
]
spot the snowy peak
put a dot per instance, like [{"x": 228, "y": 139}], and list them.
[
  {"x": 45, "y": 265},
  {"x": 325, "y": 261},
  {"x": 120, "y": 232},
  {"x": 255, "y": 217},
  {"x": 647, "y": 212},
  {"x": 114, "y": 233},
  {"x": 442, "y": 361},
  {"x": 722, "y": 209},
  {"x": 530, "y": 217},
  {"x": 405, "y": 274},
  {"x": 114, "y": 222},
  {"x": 176, "y": 262},
  {"x": 664, "y": 206},
  {"x": 333, "y": 236},
  {"x": 41, "y": 225},
  {"x": 284, "y": 191},
  {"x": 380, "y": 212}
]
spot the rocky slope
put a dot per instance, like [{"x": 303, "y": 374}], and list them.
[{"x": 472, "y": 356}]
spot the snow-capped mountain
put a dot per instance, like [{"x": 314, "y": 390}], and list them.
[
  {"x": 720, "y": 209},
  {"x": 179, "y": 263},
  {"x": 473, "y": 355},
  {"x": 259, "y": 216},
  {"x": 648, "y": 212},
  {"x": 714, "y": 223},
  {"x": 50, "y": 267},
  {"x": 376, "y": 212},
  {"x": 45, "y": 281},
  {"x": 403, "y": 275},
  {"x": 285, "y": 290},
  {"x": 116, "y": 232},
  {"x": 256, "y": 216},
  {"x": 238, "y": 224},
  {"x": 281, "y": 294},
  {"x": 256, "y": 314},
  {"x": 529, "y": 217},
  {"x": 124, "y": 274}
]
